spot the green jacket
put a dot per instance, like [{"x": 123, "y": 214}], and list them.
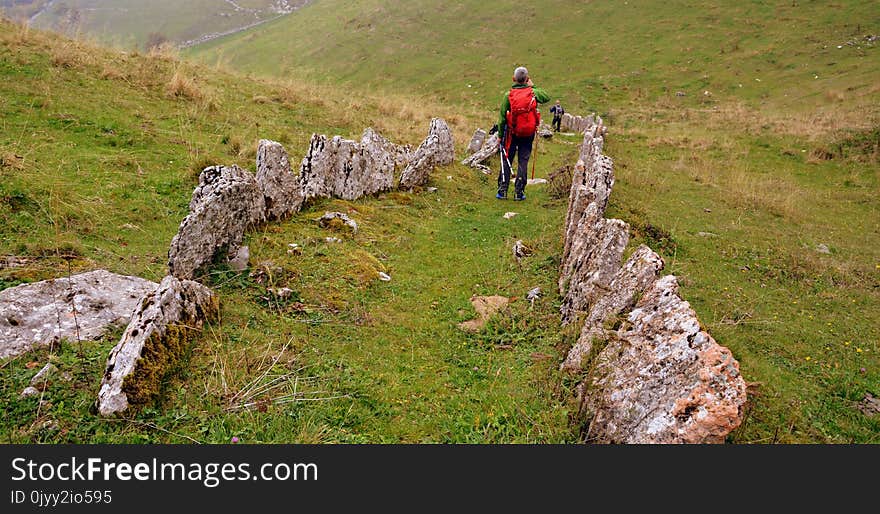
[{"x": 540, "y": 95}]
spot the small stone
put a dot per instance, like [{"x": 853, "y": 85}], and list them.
[
  {"x": 509, "y": 215},
  {"x": 330, "y": 216},
  {"x": 536, "y": 181},
  {"x": 241, "y": 259},
  {"x": 448, "y": 177},
  {"x": 533, "y": 295},
  {"x": 30, "y": 392},
  {"x": 680, "y": 93},
  {"x": 294, "y": 249},
  {"x": 432, "y": 189},
  {"x": 283, "y": 292},
  {"x": 821, "y": 248},
  {"x": 43, "y": 375},
  {"x": 332, "y": 240},
  {"x": 384, "y": 277},
  {"x": 706, "y": 234}
]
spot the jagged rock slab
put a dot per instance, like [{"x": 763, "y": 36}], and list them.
[
  {"x": 159, "y": 334},
  {"x": 545, "y": 131},
  {"x": 281, "y": 190},
  {"x": 662, "y": 379},
  {"x": 595, "y": 259},
  {"x": 41, "y": 314},
  {"x": 592, "y": 181},
  {"x": 225, "y": 204},
  {"x": 373, "y": 141},
  {"x": 477, "y": 141},
  {"x": 346, "y": 169},
  {"x": 489, "y": 148},
  {"x": 437, "y": 149},
  {"x": 639, "y": 272}
]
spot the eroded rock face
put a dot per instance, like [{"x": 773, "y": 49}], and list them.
[
  {"x": 639, "y": 272},
  {"x": 159, "y": 333},
  {"x": 281, "y": 191},
  {"x": 662, "y": 379},
  {"x": 592, "y": 181},
  {"x": 477, "y": 141},
  {"x": 225, "y": 204},
  {"x": 346, "y": 169},
  {"x": 437, "y": 149},
  {"x": 595, "y": 259},
  {"x": 489, "y": 148},
  {"x": 42, "y": 313}
]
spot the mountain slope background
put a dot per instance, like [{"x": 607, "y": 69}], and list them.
[
  {"x": 136, "y": 23},
  {"x": 761, "y": 198}
]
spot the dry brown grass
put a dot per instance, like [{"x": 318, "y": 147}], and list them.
[{"x": 182, "y": 86}]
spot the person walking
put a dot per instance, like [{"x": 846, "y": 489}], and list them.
[
  {"x": 557, "y": 111},
  {"x": 519, "y": 122}
]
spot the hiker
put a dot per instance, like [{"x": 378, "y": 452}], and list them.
[
  {"x": 519, "y": 123},
  {"x": 557, "y": 111}
]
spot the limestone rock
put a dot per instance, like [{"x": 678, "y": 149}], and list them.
[
  {"x": 159, "y": 334},
  {"x": 281, "y": 190},
  {"x": 545, "y": 131},
  {"x": 30, "y": 392},
  {"x": 242, "y": 258},
  {"x": 42, "y": 376},
  {"x": 328, "y": 218},
  {"x": 436, "y": 150},
  {"x": 42, "y": 313},
  {"x": 477, "y": 141},
  {"x": 663, "y": 379},
  {"x": 346, "y": 169},
  {"x": 595, "y": 259},
  {"x": 592, "y": 181},
  {"x": 225, "y": 204},
  {"x": 639, "y": 272},
  {"x": 490, "y": 148}
]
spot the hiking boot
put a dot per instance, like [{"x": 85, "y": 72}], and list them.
[
  {"x": 501, "y": 196},
  {"x": 520, "y": 197}
]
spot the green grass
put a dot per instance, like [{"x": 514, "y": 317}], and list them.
[
  {"x": 773, "y": 148},
  {"x": 771, "y": 169},
  {"x": 101, "y": 170}
]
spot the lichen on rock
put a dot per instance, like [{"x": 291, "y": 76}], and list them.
[
  {"x": 226, "y": 203},
  {"x": 160, "y": 333},
  {"x": 437, "y": 149}
]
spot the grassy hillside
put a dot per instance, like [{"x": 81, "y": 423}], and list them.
[
  {"x": 129, "y": 23},
  {"x": 746, "y": 137},
  {"x": 763, "y": 199},
  {"x": 100, "y": 152}
]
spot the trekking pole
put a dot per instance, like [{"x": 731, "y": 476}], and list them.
[{"x": 535, "y": 159}]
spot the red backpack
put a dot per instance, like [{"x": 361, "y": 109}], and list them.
[{"x": 523, "y": 117}]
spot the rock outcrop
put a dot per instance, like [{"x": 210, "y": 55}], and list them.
[
  {"x": 477, "y": 141},
  {"x": 659, "y": 378},
  {"x": 572, "y": 123},
  {"x": 663, "y": 379},
  {"x": 159, "y": 334},
  {"x": 225, "y": 204},
  {"x": 638, "y": 273},
  {"x": 489, "y": 148},
  {"x": 436, "y": 150},
  {"x": 342, "y": 168},
  {"x": 42, "y": 313},
  {"x": 282, "y": 193}
]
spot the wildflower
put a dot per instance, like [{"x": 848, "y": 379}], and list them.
[
  {"x": 809, "y": 358},
  {"x": 846, "y": 343},
  {"x": 858, "y": 350},
  {"x": 235, "y": 440}
]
